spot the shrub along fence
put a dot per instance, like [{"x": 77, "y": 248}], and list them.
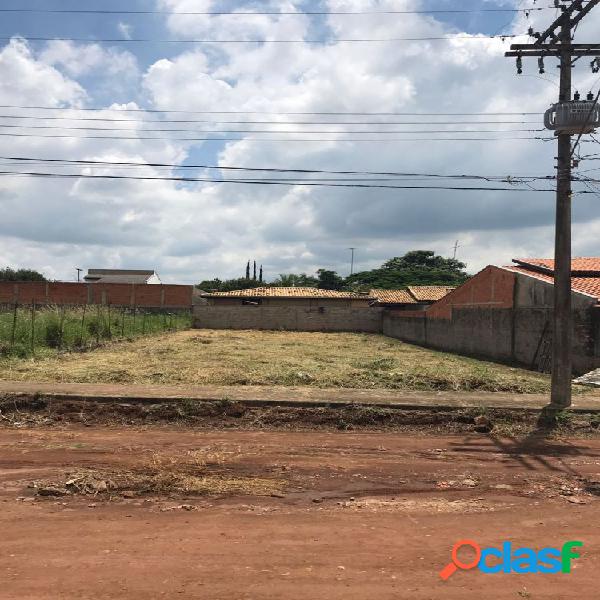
[{"x": 27, "y": 329}]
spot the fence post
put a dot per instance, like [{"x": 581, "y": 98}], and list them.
[
  {"x": 62, "y": 326},
  {"x": 98, "y": 307},
  {"x": 109, "y": 323},
  {"x": 82, "y": 334},
  {"x": 123, "y": 322},
  {"x": 144, "y": 324},
  {"x": 33, "y": 327},
  {"x": 14, "y": 325}
]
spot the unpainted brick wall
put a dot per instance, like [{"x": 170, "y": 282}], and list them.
[
  {"x": 292, "y": 318},
  {"x": 115, "y": 294},
  {"x": 501, "y": 319}
]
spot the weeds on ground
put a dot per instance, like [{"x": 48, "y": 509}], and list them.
[
  {"x": 271, "y": 358},
  {"x": 29, "y": 331}
]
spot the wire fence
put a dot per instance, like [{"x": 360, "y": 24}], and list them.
[{"x": 28, "y": 329}]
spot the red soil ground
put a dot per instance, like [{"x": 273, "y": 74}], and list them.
[{"x": 362, "y": 516}]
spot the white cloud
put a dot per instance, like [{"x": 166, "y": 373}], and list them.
[
  {"x": 125, "y": 29},
  {"x": 193, "y": 232},
  {"x": 26, "y": 81},
  {"x": 83, "y": 59}
]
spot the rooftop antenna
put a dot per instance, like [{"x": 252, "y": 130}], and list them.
[
  {"x": 456, "y": 247},
  {"x": 352, "y": 260}
]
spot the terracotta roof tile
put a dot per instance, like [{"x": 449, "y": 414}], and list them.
[
  {"x": 579, "y": 264},
  {"x": 585, "y": 285},
  {"x": 289, "y": 292},
  {"x": 429, "y": 293},
  {"x": 393, "y": 296}
]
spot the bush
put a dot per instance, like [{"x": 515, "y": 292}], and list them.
[{"x": 54, "y": 334}]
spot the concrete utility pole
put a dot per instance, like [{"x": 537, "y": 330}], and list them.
[
  {"x": 556, "y": 41},
  {"x": 352, "y": 260},
  {"x": 78, "y": 274},
  {"x": 563, "y": 319}
]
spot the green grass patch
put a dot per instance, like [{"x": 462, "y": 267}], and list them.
[{"x": 41, "y": 331}]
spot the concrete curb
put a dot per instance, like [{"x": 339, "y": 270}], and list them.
[{"x": 286, "y": 403}]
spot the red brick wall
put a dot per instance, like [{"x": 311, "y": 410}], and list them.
[
  {"x": 490, "y": 288},
  {"x": 116, "y": 294}
]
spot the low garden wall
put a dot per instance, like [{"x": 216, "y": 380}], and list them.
[{"x": 292, "y": 318}]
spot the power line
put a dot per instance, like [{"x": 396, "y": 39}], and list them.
[
  {"x": 271, "y": 122},
  {"x": 286, "y": 131},
  {"x": 262, "y": 139},
  {"x": 274, "y": 13},
  {"x": 265, "y": 112},
  {"x": 85, "y": 163},
  {"x": 323, "y": 41},
  {"x": 513, "y": 181},
  {"x": 267, "y": 182}
]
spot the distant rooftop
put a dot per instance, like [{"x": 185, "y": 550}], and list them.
[
  {"x": 415, "y": 294},
  {"x": 393, "y": 296},
  {"x": 288, "y": 292},
  {"x": 585, "y": 272},
  {"x": 121, "y": 276},
  {"x": 589, "y": 264},
  {"x": 430, "y": 293}
]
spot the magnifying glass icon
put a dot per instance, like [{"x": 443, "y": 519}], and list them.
[{"x": 456, "y": 563}]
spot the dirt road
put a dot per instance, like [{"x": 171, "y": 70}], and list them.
[{"x": 343, "y": 515}]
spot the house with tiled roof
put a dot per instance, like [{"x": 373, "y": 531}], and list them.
[
  {"x": 289, "y": 296},
  {"x": 412, "y": 298},
  {"x": 505, "y": 314},
  {"x": 289, "y": 292},
  {"x": 289, "y": 308}
]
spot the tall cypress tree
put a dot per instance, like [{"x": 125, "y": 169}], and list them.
[
  {"x": 248, "y": 270},
  {"x": 261, "y": 274},
  {"x": 254, "y": 271}
]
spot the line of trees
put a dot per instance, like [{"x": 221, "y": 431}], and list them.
[
  {"x": 419, "y": 267},
  {"x": 8, "y": 274}
]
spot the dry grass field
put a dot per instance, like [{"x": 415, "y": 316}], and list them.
[{"x": 206, "y": 357}]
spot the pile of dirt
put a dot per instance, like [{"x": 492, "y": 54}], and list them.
[
  {"x": 130, "y": 484},
  {"x": 27, "y": 411}
]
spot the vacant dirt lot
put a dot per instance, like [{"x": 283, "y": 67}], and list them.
[
  {"x": 169, "y": 513},
  {"x": 275, "y": 358}
]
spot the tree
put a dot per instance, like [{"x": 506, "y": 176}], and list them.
[
  {"x": 216, "y": 285},
  {"x": 293, "y": 280},
  {"x": 424, "y": 259},
  {"x": 419, "y": 267},
  {"x": 248, "y": 270},
  {"x": 329, "y": 280},
  {"x": 8, "y": 274}
]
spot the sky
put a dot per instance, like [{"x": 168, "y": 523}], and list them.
[{"x": 190, "y": 231}]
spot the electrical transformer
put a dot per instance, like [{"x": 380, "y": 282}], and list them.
[{"x": 573, "y": 118}]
